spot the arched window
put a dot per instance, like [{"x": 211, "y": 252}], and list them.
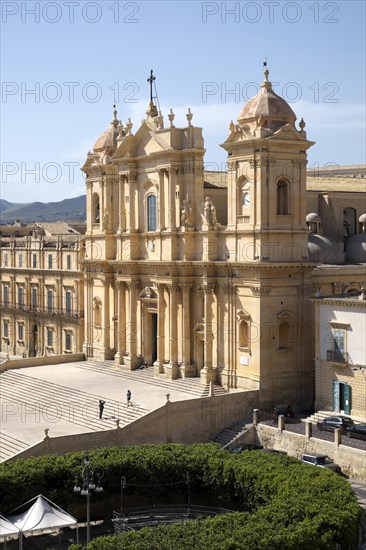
[
  {"x": 349, "y": 222},
  {"x": 282, "y": 198},
  {"x": 151, "y": 213},
  {"x": 95, "y": 208}
]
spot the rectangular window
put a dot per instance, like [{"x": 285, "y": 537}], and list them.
[
  {"x": 49, "y": 300},
  {"x": 20, "y": 332},
  {"x": 20, "y": 296},
  {"x": 6, "y": 295},
  {"x": 20, "y": 260},
  {"x": 49, "y": 261},
  {"x": 68, "y": 261},
  {"x": 34, "y": 297},
  {"x": 68, "y": 301},
  {"x": 5, "y": 260},
  {"x": 151, "y": 213},
  {"x": 6, "y": 329},
  {"x": 68, "y": 341},
  {"x": 338, "y": 353},
  {"x": 34, "y": 260},
  {"x": 49, "y": 337}
]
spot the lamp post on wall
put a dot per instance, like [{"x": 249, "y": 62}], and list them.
[{"x": 87, "y": 488}]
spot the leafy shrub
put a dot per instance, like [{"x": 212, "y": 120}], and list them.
[{"x": 284, "y": 504}]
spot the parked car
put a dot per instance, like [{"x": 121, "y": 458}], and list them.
[
  {"x": 357, "y": 430},
  {"x": 330, "y": 423},
  {"x": 323, "y": 461},
  {"x": 284, "y": 410}
]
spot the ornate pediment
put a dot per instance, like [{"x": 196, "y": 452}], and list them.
[
  {"x": 148, "y": 294},
  {"x": 284, "y": 314},
  {"x": 145, "y": 142}
]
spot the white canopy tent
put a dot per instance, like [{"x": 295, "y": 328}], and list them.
[
  {"x": 41, "y": 516},
  {"x": 7, "y": 529}
]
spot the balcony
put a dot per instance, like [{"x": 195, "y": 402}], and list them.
[
  {"x": 37, "y": 310},
  {"x": 337, "y": 356}
]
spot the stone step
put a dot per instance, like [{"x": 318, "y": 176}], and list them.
[
  {"x": 191, "y": 386},
  {"x": 75, "y": 406},
  {"x": 10, "y": 446}
]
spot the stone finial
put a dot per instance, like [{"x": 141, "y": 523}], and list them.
[
  {"x": 171, "y": 117},
  {"x": 189, "y": 117},
  {"x": 159, "y": 121},
  {"x": 231, "y": 126},
  {"x": 117, "y": 423},
  {"x": 46, "y": 436},
  {"x": 168, "y": 397},
  {"x": 302, "y": 124},
  {"x": 114, "y": 121},
  {"x": 121, "y": 130},
  {"x": 266, "y": 75},
  {"x": 128, "y": 127}
]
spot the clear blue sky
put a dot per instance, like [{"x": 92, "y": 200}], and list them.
[{"x": 199, "y": 52}]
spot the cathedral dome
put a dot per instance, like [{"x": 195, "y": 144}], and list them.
[
  {"x": 324, "y": 250},
  {"x": 107, "y": 141},
  {"x": 356, "y": 249},
  {"x": 268, "y": 107}
]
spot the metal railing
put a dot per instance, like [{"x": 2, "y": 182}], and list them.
[
  {"x": 337, "y": 356},
  {"x": 42, "y": 310},
  {"x": 136, "y": 518}
]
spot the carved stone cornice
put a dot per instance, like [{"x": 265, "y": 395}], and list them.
[{"x": 260, "y": 290}]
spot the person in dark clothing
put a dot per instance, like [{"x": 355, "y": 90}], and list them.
[
  {"x": 101, "y": 407},
  {"x": 128, "y": 398}
]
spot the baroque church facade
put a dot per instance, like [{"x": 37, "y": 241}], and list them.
[{"x": 169, "y": 285}]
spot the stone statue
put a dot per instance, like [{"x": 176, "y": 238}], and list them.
[
  {"x": 186, "y": 217},
  {"x": 106, "y": 219},
  {"x": 210, "y": 212}
]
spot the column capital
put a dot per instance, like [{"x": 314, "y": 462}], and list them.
[
  {"x": 160, "y": 287},
  {"x": 209, "y": 288},
  {"x": 186, "y": 287},
  {"x": 260, "y": 290}
]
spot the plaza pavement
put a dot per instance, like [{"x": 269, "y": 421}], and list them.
[{"x": 64, "y": 399}]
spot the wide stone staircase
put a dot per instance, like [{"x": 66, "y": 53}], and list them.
[
  {"x": 10, "y": 446},
  {"x": 192, "y": 386},
  {"x": 35, "y": 401}
]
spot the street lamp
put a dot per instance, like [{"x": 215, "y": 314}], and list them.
[{"x": 88, "y": 487}]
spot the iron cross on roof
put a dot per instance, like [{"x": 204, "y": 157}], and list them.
[{"x": 150, "y": 81}]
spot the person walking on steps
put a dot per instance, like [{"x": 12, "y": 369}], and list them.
[
  {"x": 128, "y": 398},
  {"x": 101, "y": 408}
]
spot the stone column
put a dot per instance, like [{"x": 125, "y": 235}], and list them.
[
  {"x": 121, "y": 205},
  {"x": 158, "y": 365},
  {"x": 172, "y": 224},
  {"x": 186, "y": 369},
  {"x": 161, "y": 199},
  {"x": 208, "y": 374},
  {"x": 106, "y": 320},
  {"x": 131, "y": 361},
  {"x": 172, "y": 368},
  {"x": 121, "y": 313}
]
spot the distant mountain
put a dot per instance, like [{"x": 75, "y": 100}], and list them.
[
  {"x": 68, "y": 209},
  {"x": 4, "y": 205}
]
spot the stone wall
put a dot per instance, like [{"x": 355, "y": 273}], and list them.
[
  {"x": 193, "y": 421},
  {"x": 9, "y": 364}
]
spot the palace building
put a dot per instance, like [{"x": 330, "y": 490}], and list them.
[{"x": 197, "y": 280}]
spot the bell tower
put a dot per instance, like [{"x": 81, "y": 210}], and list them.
[{"x": 267, "y": 179}]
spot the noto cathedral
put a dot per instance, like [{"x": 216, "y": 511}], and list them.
[{"x": 194, "y": 285}]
